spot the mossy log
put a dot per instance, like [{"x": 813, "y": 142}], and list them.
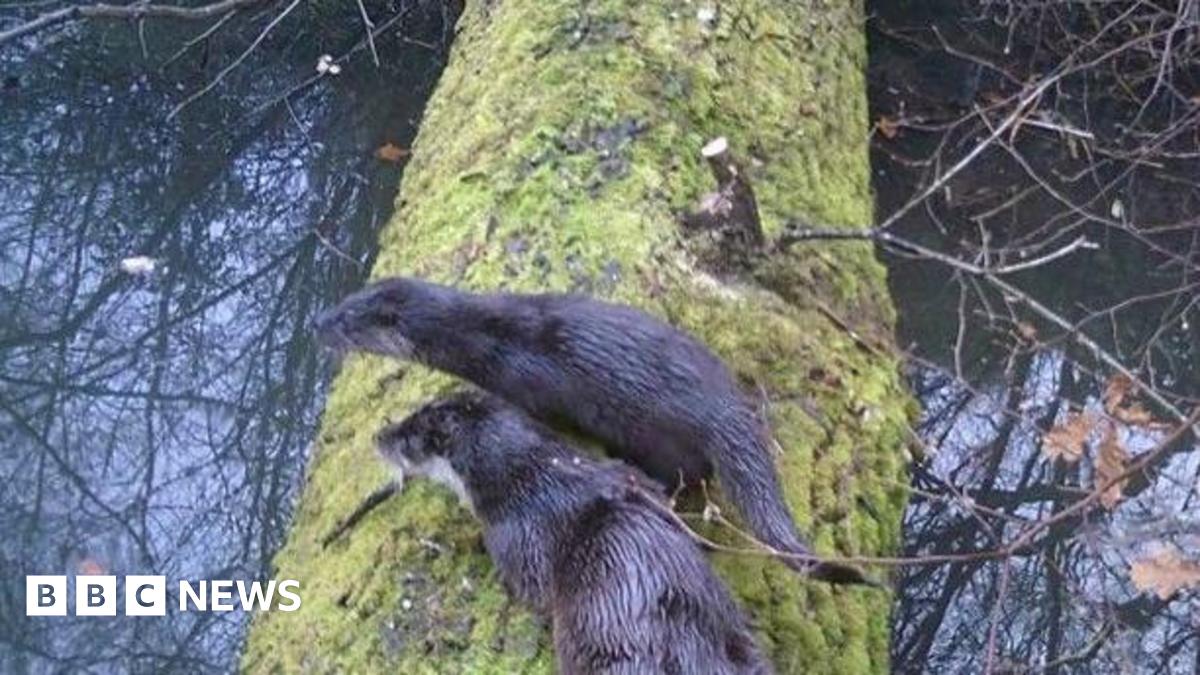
[{"x": 561, "y": 150}]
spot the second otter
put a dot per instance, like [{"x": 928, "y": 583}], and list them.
[{"x": 626, "y": 590}]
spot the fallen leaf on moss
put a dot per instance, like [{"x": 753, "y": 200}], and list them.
[{"x": 1164, "y": 572}]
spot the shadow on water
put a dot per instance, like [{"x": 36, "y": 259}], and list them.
[
  {"x": 158, "y": 384},
  {"x": 1107, "y": 155}
]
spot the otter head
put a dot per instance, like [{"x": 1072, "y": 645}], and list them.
[
  {"x": 436, "y": 442},
  {"x": 392, "y": 317}
]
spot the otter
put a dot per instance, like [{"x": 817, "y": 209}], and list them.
[
  {"x": 654, "y": 395},
  {"x": 581, "y": 542}
]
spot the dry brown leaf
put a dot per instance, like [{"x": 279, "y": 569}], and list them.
[
  {"x": 1164, "y": 572},
  {"x": 1115, "y": 392},
  {"x": 1134, "y": 414},
  {"x": 888, "y": 127},
  {"x": 1066, "y": 439},
  {"x": 390, "y": 152},
  {"x": 1118, "y": 405},
  {"x": 1110, "y": 463}
]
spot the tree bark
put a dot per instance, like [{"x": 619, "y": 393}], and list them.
[{"x": 562, "y": 150}]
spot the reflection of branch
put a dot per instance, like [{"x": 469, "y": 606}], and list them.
[
  {"x": 312, "y": 79},
  {"x": 75, "y": 479},
  {"x": 1084, "y": 653},
  {"x": 236, "y": 62},
  {"x": 198, "y": 39},
  {"x": 131, "y": 12},
  {"x": 994, "y": 627},
  {"x": 795, "y": 234},
  {"x": 337, "y": 251}
]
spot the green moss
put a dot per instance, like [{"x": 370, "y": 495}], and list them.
[{"x": 558, "y": 152}]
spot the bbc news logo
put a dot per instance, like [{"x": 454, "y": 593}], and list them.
[{"x": 145, "y": 595}]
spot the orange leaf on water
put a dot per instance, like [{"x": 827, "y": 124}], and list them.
[
  {"x": 1164, "y": 572},
  {"x": 1115, "y": 391},
  {"x": 390, "y": 152},
  {"x": 1066, "y": 439},
  {"x": 1117, "y": 403},
  {"x": 888, "y": 127},
  {"x": 1134, "y": 414}
]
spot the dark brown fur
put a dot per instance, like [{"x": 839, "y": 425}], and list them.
[
  {"x": 653, "y": 394},
  {"x": 582, "y": 542}
]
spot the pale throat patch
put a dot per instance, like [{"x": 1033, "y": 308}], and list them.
[{"x": 439, "y": 470}]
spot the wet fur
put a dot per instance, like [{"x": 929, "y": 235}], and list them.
[
  {"x": 581, "y": 542},
  {"x": 654, "y": 395}
]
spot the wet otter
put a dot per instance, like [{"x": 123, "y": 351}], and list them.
[
  {"x": 625, "y": 588},
  {"x": 652, "y": 393}
]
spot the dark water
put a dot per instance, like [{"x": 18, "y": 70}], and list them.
[
  {"x": 1106, "y": 155},
  {"x": 156, "y": 421}
]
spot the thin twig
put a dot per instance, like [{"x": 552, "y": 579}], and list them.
[
  {"x": 379, "y": 496},
  {"x": 313, "y": 79},
  {"x": 990, "y": 655},
  {"x": 1081, "y": 242},
  {"x": 1023, "y": 541},
  {"x": 329, "y": 245},
  {"x": 236, "y": 62},
  {"x": 794, "y": 234},
  {"x": 134, "y": 12},
  {"x": 368, "y": 24},
  {"x": 198, "y": 39}
]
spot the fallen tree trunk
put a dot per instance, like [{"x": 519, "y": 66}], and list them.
[{"x": 562, "y": 150}]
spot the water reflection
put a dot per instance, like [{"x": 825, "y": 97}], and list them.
[
  {"x": 993, "y": 376},
  {"x": 155, "y": 421}
]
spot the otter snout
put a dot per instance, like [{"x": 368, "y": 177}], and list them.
[
  {"x": 358, "y": 325},
  {"x": 331, "y": 329}
]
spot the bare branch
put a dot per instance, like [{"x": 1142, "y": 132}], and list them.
[
  {"x": 795, "y": 234},
  {"x": 133, "y": 12},
  {"x": 236, "y": 62},
  {"x": 1081, "y": 242},
  {"x": 369, "y": 25}
]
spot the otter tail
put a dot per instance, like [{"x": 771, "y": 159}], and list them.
[{"x": 749, "y": 480}]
